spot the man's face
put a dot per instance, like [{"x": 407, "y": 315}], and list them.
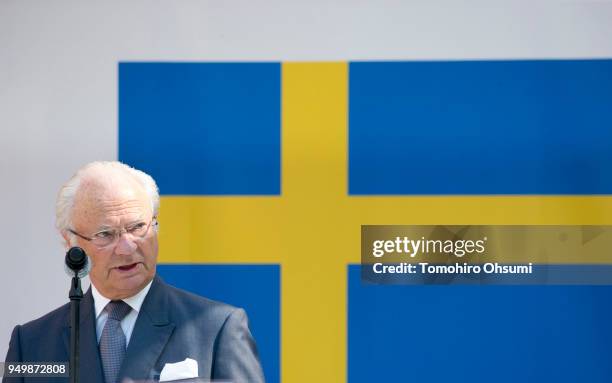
[{"x": 123, "y": 268}]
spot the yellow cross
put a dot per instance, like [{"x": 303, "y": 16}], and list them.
[{"x": 313, "y": 228}]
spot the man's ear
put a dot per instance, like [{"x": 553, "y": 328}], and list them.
[{"x": 66, "y": 237}]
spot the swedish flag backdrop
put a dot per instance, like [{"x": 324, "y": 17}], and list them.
[{"x": 267, "y": 171}]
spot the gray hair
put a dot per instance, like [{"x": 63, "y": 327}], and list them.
[{"x": 68, "y": 192}]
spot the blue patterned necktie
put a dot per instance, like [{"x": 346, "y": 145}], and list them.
[{"x": 112, "y": 341}]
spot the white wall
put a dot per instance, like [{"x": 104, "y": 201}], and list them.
[{"x": 58, "y": 83}]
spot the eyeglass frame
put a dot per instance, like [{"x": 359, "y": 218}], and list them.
[{"x": 118, "y": 233}]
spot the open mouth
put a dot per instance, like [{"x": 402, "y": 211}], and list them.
[{"x": 127, "y": 267}]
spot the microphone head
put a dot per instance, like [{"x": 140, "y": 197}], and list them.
[{"x": 76, "y": 262}]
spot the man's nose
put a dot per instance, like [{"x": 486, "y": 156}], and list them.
[{"x": 125, "y": 244}]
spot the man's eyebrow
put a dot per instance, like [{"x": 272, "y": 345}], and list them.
[
  {"x": 104, "y": 228},
  {"x": 132, "y": 222},
  {"x": 137, "y": 220}
]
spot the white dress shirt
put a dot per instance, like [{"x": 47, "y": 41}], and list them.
[{"x": 127, "y": 324}]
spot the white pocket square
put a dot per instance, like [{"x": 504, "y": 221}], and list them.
[{"x": 179, "y": 370}]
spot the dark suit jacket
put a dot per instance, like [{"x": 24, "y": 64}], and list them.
[{"x": 172, "y": 325}]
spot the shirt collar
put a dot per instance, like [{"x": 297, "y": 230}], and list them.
[{"x": 135, "y": 301}]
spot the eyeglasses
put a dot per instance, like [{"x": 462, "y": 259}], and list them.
[{"x": 105, "y": 238}]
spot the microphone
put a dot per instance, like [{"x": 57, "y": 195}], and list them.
[
  {"x": 76, "y": 265},
  {"x": 77, "y": 262}
]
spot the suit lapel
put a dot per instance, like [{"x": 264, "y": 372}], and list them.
[
  {"x": 90, "y": 368},
  {"x": 150, "y": 335}
]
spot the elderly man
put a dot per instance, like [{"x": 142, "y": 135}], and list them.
[{"x": 132, "y": 323}]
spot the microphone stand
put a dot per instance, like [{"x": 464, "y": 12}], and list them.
[{"x": 75, "y": 295}]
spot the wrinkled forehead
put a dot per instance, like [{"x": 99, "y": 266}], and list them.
[{"x": 106, "y": 195}]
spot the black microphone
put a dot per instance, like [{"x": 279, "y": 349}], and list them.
[
  {"x": 77, "y": 266},
  {"x": 77, "y": 262}
]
